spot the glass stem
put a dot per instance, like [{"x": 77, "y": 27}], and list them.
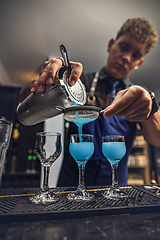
[
  {"x": 46, "y": 170},
  {"x": 81, "y": 168},
  {"x": 114, "y": 175}
]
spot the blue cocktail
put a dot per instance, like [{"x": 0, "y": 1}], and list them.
[
  {"x": 81, "y": 148},
  {"x": 114, "y": 149}
]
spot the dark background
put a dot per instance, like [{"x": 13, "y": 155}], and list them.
[
  {"x": 21, "y": 170},
  {"x": 31, "y": 32}
]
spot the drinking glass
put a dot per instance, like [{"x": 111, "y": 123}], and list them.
[
  {"x": 47, "y": 148},
  {"x": 5, "y": 135},
  {"x": 81, "y": 148},
  {"x": 114, "y": 148}
]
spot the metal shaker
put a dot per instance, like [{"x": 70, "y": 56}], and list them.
[{"x": 38, "y": 107}]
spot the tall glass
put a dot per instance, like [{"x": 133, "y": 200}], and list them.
[
  {"x": 81, "y": 148},
  {"x": 48, "y": 148},
  {"x": 5, "y": 135},
  {"x": 114, "y": 148}
]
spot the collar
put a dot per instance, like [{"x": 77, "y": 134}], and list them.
[{"x": 103, "y": 74}]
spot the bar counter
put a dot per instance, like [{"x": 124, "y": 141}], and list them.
[{"x": 137, "y": 216}]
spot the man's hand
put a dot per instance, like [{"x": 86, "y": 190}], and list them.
[
  {"x": 49, "y": 73},
  {"x": 134, "y": 103}
]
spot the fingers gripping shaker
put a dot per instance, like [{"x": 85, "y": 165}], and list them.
[{"x": 38, "y": 107}]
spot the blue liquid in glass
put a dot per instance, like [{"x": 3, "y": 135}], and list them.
[
  {"x": 81, "y": 151},
  {"x": 114, "y": 151}
]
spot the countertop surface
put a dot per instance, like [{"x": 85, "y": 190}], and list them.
[
  {"x": 137, "y": 217},
  {"x": 128, "y": 226}
]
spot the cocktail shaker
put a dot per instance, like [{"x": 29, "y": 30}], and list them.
[{"x": 38, "y": 107}]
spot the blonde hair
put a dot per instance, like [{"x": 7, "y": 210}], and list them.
[{"x": 142, "y": 30}]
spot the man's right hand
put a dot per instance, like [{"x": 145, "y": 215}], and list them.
[{"x": 49, "y": 73}]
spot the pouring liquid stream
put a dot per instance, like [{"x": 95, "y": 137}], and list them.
[
  {"x": 80, "y": 121},
  {"x": 86, "y": 153}
]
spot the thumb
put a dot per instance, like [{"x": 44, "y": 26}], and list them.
[
  {"x": 116, "y": 105},
  {"x": 76, "y": 70}
]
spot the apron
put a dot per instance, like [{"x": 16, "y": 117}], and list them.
[{"x": 98, "y": 168}]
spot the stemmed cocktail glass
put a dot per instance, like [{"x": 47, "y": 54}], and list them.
[
  {"x": 47, "y": 148},
  {"x": 114, "y": 148},
  {"x": 81, "y": 148}
]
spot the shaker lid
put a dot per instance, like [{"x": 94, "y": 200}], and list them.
[{"x": 76, "y": 93}]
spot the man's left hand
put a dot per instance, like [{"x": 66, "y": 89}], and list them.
[{"x": 134, "y": 103}]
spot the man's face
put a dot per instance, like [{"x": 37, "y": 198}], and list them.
[{"x": 125, "y": 55}]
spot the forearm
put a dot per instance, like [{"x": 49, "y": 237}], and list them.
[{"x": 151, "y": 129}]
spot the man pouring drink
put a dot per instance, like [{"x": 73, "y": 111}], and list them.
[{"x": 125, "y": 104}]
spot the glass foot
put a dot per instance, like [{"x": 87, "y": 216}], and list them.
[
  {"x": 115, "y": 193},
  {"x": 80, "y": 195},
  {"x": 44, "y": 197}
]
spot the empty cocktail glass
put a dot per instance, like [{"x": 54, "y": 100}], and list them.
[{"x": 48, "y": 148}]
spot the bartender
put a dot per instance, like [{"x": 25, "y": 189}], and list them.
[{"x": 110, "y": 88}]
